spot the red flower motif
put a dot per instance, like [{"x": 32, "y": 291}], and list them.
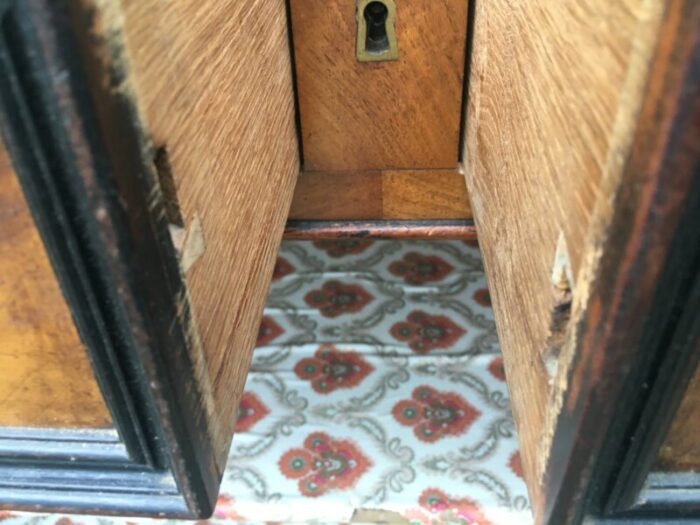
[
  {"x": 225, "y": 509},
  {"x": 416, "y": 268},
  {"x": 331, "y": 369},
  {"x": 335, "y": 298},
  {"x": 7, "y": 515},
  {"x": 342, "y": 247},
  {"x": 516, "y": 465},
  {"x": 483, "y": 297},
  {"x": 268, "y": 331},
  {"x": 434, "y": 414},
  {"x": 496, "y": 368},
  {"x": 437, "y": 502},
  {"x": 424, "y": 332},
  {"x": 282, "y": 267},
  {"x": 250, "y": 411},
  {"x": 324, "y": 464}
]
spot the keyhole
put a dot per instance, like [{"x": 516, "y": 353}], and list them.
[
  {"x": 376, "y": 31},
  {"x": 375, "y": 15}
]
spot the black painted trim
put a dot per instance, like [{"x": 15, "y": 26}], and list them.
[{"x": 669, "y": 493}]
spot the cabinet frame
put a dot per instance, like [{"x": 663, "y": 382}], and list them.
[
  {"x": 638, "y": 347},
  {"x": 90, "y": 184}
]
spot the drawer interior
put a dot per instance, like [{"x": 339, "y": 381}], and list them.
[
  {"x": 382, "y": 139},
  {"x": 239, "y": 110},
  {"x": 386, "y": 195}
]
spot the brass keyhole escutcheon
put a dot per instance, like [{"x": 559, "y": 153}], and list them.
[{"x": 376, "y": 31}]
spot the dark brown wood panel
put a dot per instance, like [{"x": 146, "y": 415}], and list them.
[
  {"x": 380, "y": 115},
  {"x": 213, "y": 84},
  {"x": 376, "y": 195},
  {"x": 555, "y": 90},
  {"x": 45, "y": 376},
  {"x": 680, "y": 450}
]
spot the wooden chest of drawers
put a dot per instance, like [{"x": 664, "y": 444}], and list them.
[{"x": 157, "y": 150}]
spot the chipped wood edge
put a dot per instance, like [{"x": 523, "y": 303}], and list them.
[{"x": 560, "y": 316}]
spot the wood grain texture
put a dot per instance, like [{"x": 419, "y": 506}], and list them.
[
  {"x": 680, "y": 450},
  {"x": 213, "y": 83},
  {"x": 380, "y": 115},
  {"x": 389, "y": 195},
  {"x": 554, "y": 92},
  {"x": 45, "y": 376}
]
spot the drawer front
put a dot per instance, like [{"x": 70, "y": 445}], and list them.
[{"x": 377, "y": 115}]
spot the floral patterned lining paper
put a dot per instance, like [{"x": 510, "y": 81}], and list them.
[{"x": 377, "y": 389}]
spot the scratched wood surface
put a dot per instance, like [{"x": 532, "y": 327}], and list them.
[
  {"x": 388, "y": 195},
  {"x": 45, "y": 376},
  {"x": 554, "y": 91},
  {"x": 380, "y": 115},
  {"x": 213, "y": 83},
  {"x": 680, "y": 450}
]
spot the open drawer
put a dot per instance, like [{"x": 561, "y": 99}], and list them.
[{"x": 158, "y": 145}]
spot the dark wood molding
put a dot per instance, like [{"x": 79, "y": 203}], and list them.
[
  {"x": 144, "y": 266},
  {"x": 428, "y": 229}
]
